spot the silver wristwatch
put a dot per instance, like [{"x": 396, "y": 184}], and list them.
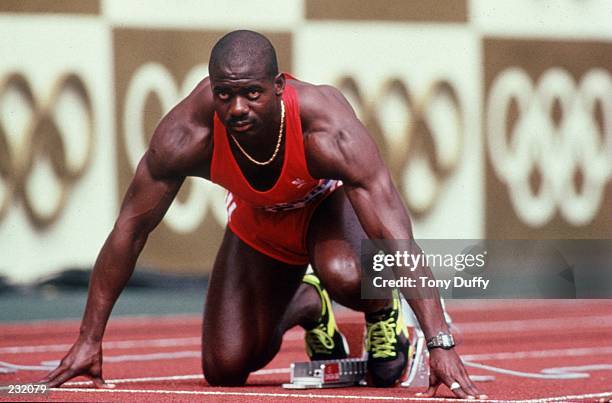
[{"x": 441, "y": 340}]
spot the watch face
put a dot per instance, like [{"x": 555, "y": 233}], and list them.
[
  {"x": 442, "y": 340},
  {"x": 446, "y": 341}
]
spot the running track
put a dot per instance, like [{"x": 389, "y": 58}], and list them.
[{"x": 158, "y": 358}]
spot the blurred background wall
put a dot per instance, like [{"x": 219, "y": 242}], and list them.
[{"x": 495, "y": 117}]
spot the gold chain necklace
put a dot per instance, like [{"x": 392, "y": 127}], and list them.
[{"x": 278, "y": 143}]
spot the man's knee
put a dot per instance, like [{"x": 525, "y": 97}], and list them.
[
  {"x": 223, "y": 367},
  {"x": 341, "y": 275}
]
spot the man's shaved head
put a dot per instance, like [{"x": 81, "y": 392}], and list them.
[{"x": 240, "y": 48}]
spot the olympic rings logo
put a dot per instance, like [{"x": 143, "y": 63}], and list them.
[
  {"x": 42, "y": 140},
  {"x": 418, "y": 145},
  {"x": 579, "y": 142},
  {"x": 185, "y": 214}
]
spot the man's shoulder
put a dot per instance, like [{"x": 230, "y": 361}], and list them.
[
  {"x": 182, "y": 140},
  {"x": 307, "y": 89},
  {"x": 317, "y": 99},
  {"x": 328, "y": 123},
  {"x": 324, "y": 111},
  {"x": 197, "y": 106}
]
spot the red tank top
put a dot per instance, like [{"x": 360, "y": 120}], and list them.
[{"x": 293, "y": 189}]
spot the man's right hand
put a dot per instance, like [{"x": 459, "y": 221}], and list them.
[{"x": 84, "y": 358}]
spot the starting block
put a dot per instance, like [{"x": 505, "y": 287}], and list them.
[
  {"x": 327, "y": 374},
  {"x": 353, "y": 371}
]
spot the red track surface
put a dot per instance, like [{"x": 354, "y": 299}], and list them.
[{"x": 532, "y": 335}]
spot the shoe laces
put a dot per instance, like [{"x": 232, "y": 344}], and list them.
[
  {"x": 382, "y": 338},
  {"x": 319, "y": 341}
]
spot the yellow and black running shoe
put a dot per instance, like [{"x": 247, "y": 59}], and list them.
[
  {"x": 324, "y": 341},
  {"x": 387, "y": 345}
]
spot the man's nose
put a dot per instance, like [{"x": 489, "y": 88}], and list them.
[{"x": 239, "y": 107}]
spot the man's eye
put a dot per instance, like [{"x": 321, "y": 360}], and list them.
[
  {"x": 254, "y": 94},
  {"x": 223, "y": 95}
]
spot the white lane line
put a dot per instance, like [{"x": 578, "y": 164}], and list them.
[
  {"x": 8, "y": 367},
  {"x": 529, "y": 325},
  {"x": 51, "y": 364},
  {"x": 311, "y": 396},
  {"x": 578, "y": 368},
  {"x": 532, "y": 375},
  {"x": 144, "y": 379},
  {"x": 125, "y": 344},
  {"x": 569, "y": 398},
  {"x": 514, "y": 355},
  {"x": 269, "y": 371},
  {"x": 117, "y": 321},
  {"x": 171, "y": 355},
  {"x": 459, "y": 305},
  {"x": 522, "y": 325},
  {"x": 327, "y": 396}
]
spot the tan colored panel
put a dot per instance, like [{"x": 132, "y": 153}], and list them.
[
  {"x": 51, "y": 6},
  {"x": 556, "y": 70},
  {"x": 388, "y": 10}
]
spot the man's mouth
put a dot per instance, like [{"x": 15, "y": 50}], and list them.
[{"x": 241, "y": 126}]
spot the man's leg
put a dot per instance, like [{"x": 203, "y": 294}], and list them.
[
  {"x": 247, "y": 311},
  {"x": 334, "y": 243}
]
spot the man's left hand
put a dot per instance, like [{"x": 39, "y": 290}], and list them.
[{"x": 446, "y": 368}]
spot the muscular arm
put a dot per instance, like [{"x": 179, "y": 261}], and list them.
[
  {"x": 180, "y": 146},
  {"x": 145, "y": 203},
  {"x": 339, "y": 146}
]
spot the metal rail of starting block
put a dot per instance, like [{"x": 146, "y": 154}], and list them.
[{"x": 327, "y": 374}]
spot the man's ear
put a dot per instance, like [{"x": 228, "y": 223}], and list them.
[{"x": 279, "y": 84}]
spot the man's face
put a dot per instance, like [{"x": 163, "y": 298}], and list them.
[{"x": 245, "y": 98}]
